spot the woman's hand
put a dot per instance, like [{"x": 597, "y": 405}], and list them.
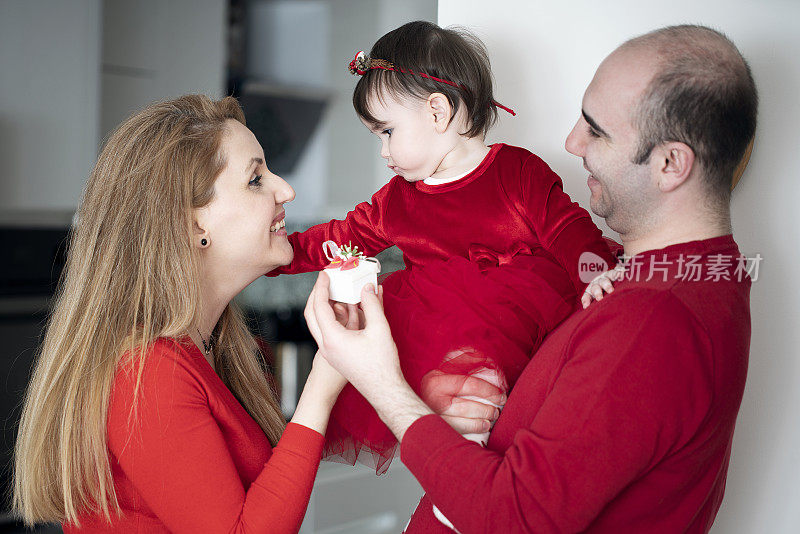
[
  {"x": 324, "y": 383},
  {"x": 371, "y": 353},
  {"x": 366, "y": 357},
  {"x": 601, "y": 285},
  {"x": 349, "y": 316}
]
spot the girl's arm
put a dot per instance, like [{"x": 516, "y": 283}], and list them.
[
  {"x": 363, "y": 226},
  {"x": 564, "y": 228}
]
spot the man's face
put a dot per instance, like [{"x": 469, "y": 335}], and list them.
[{"x": 606, "y": 139}]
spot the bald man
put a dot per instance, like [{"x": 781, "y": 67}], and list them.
[{"x": 624, "y": 418}]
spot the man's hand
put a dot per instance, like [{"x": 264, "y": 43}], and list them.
[
  {"x": 444, "y": 392},
  {"x": 367, "y": 357}
]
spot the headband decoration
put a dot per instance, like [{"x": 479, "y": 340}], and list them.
[{"x": 361, "y": 64}]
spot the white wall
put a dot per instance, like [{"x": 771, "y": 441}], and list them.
[
  {"x": 357, "y": 170},
  {"x": 545, "y": 53},
  {"x": 71, "y": 71}
]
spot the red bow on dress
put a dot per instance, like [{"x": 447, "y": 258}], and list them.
[{"x": 486, "y": 257}]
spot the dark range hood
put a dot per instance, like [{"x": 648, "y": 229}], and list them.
[{"x": 283, "y": 120}]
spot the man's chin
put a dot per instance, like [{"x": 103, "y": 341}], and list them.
[{"x": 598, "y": 208}]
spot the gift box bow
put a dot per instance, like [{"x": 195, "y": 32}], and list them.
[
  {"x": 345, "y": 258},
  {"x": 344, "y": 265}
]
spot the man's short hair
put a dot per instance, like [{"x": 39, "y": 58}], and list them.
[{"x": 703, "y": 94}]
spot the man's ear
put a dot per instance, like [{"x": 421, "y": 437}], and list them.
[
  {"x": 674, "y": 162},
  {"x": 441, "y": 111}
]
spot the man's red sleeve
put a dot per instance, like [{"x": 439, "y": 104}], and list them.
[{"x": 612, "y": 412}]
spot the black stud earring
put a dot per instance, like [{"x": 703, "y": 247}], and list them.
[{"x": 204, "y": 241}]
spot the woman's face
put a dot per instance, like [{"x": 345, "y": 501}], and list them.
[{"x": 244, "y": 221}]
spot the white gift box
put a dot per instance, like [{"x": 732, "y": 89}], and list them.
[{"x": 346, "y": 284}]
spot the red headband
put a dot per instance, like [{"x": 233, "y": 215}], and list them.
[{"x": 361, "y": 64}]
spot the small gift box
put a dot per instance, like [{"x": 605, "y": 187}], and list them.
[{"x": 349, "y": 271}]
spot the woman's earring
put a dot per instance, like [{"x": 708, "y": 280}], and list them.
[{"x": 203, "y": 242}]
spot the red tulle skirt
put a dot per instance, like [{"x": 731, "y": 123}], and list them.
[{"x": 457, "y": 317}]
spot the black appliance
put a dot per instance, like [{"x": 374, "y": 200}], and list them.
[{"x": 29, "y": 272}]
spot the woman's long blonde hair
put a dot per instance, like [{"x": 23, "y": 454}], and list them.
[{"x": 132, "y": 276}]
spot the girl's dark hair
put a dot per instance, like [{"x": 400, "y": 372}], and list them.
[{"x": 451, "y": 54}]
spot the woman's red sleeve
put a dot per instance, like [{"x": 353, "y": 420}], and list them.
[{"x": 179, "y": 461}]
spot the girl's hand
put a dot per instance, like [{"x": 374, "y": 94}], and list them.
[
  {"x": 602, "y": 284},
  {"x": 445, "y": 393}
]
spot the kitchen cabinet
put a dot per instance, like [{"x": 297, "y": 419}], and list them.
[
  {"x": 71, "y": 71},
  {"x": 49, "y": 101},
  {"x": 154, "y": 50}
]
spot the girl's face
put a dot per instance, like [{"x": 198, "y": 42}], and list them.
[
  {"x": 411, "y": 143},
  {"x": 244, "y": 220}
]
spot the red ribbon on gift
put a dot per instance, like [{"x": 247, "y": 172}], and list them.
[
  {"x": 344, "y": 265},
  {"x": 335, "y": 264},
  {"x": 350, "y": 263}
]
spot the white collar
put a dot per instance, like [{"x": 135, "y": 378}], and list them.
[{"x": 441, "y": 181}]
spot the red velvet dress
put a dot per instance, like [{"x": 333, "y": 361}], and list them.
[{"x": 492, "y": 265}]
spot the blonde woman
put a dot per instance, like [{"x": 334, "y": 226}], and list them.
[{"x": 149, "y": 410}]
